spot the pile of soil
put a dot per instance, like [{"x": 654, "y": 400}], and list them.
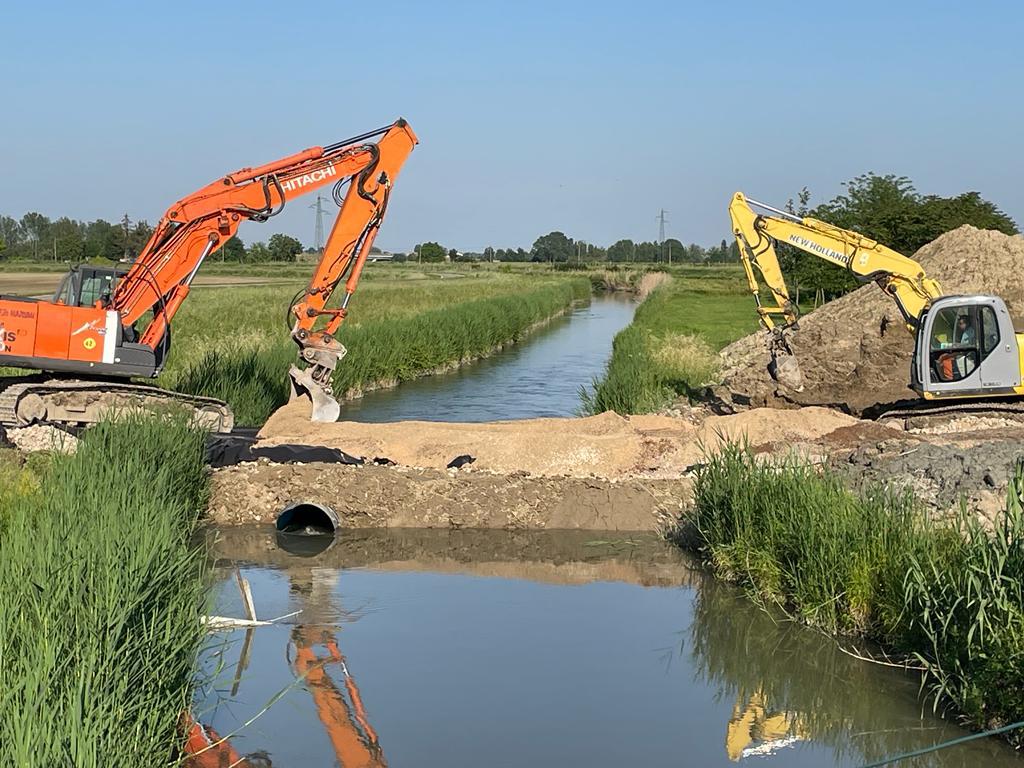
[
  {"x": 855, "y": 352},
  {"x": 606, "y": 446}
]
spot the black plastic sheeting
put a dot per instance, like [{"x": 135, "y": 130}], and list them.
[{"x": 226, "y": 450}]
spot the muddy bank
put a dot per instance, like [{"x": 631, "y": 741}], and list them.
[
  {"x": 943, "y": 461},
  {"x": 607, "y": 446},
  {"x": 404, "y": 497},
  {"x": 553, "y": 557}
]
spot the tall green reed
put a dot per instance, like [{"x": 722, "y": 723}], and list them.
[
  {"x": 101, "y": 593},
  {"x": 947, "y": 596}
]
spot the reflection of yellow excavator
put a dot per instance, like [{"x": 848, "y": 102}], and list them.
[
  {"x": 965, "y": 345},
  {"x": 354, "y": 740},
  {"x": 754, "y": 730}
]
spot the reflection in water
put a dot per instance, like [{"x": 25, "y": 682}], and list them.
[
  {"x": 752, "y": 730},
  {"x": 465, "y": 659}
]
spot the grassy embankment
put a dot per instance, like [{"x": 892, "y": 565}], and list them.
[
  {"x": 947, "y": 597},
  {"x": 670, "y": 349},
  {"x": 102, "y": 592},
  {"x": 235, "y": 346}
]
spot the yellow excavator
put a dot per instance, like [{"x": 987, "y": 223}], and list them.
[{"x": 965, "y": 346}]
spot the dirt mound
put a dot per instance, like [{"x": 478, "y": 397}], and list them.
[
  {"x": 855, "y": 352},
  {"x": 607, "y": 445}
]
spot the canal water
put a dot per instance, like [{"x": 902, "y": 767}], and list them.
[
  {"x": 439, "y": 649},
  {"x": 491, "y": 648},
  {"x": 542, "y": 376}
]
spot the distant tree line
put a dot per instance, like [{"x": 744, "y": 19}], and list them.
[
  {"x": 557, "y": 247},
  {"x": 36, "y": 237},
  {"x": 886, "y": 208}
]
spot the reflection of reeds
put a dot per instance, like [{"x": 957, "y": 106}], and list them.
[
  {"x": 101, "y": 598},
  {"x": 872, "y": 565},
  {"x": 395, "y": 333}
]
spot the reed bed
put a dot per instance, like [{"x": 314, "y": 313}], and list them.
[
  {"x": 101, "y": 599},
  {"x": 948, "y": 598}
]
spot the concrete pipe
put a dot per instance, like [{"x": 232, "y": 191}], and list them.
[{"x": 306, "y": 529}]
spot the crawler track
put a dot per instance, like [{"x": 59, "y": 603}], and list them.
[
  {"x": 929, "y": 409},
  {"x": 74, "y": 402}
]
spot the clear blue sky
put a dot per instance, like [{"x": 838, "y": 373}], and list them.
[{"x": 532, "y": 116}]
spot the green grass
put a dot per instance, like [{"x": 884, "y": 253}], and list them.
[
  {"x": 102, "y": 592},
  {"x": 670, "y": 349},
  {"x": 950, "y": 598},
  {"x": 396, "y": 331}
]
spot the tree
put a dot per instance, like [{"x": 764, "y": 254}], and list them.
[
  {"x": 554, "y": 246},
  {"x": 11, "y": 232},
  {"x": 258, "y": 253},
  {"x": 453, "y": 255},
  {"x": 430, "y": 252},
  {"x": 102, "y": 241},
  {"x": 399, "y": 258},
  {"x": 283, "y": 247},
  {"x": 488, "y": 254},
  {"x": 67, "y": 239},
  {"x": 621, "y": 250},
  {"x": 233, "y": 249}
]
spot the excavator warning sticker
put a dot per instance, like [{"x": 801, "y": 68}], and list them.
[{"x": 89, "y": 343}]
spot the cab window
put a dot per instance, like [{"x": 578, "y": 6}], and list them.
[
  {"x": 961, "y": 338},
  {"x": 94, "y": 288}
]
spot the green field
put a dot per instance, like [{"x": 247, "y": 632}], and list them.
[{"x": 232, "y": 342}]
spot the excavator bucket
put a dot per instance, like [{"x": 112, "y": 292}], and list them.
[
  {"x": 783, "y": 366},
  {"x": 325, "y": 407}
]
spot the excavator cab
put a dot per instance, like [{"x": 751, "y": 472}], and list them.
[
  {"x": 966, "y": 347},
  {"x": 85, "y": 284}
]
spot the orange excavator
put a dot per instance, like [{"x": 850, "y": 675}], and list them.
[
  {"x": 104, "y": 326},
  {"x": 342, "y": 713}
]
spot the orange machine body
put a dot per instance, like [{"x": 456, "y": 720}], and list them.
[{"x": 44, "y": 334}]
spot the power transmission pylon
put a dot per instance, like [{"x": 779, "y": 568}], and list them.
[
  {"x": 661, "y": 231},
  {"x": 319, "y": 236}
]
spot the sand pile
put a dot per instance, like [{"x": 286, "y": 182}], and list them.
[
  {"x": 606, "y": 446},
  {"x": 855, "y": 352}
]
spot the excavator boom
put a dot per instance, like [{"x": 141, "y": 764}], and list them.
[{"x": 900, "y": 277}]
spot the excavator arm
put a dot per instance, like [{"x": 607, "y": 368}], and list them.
[
  {"x": 757, "y": 234},
  {"x": 903, "y": 279},
  {"x": 196, "y": 226}
]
